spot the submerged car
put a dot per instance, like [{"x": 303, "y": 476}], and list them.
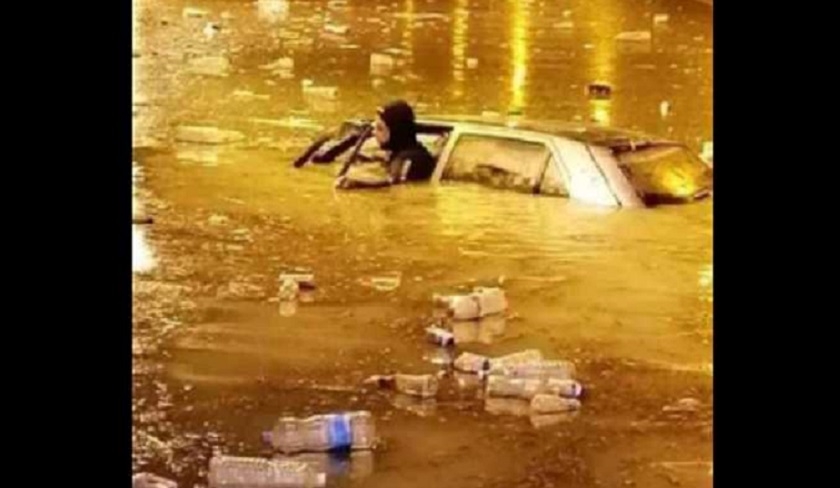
[{"x": 589, "y": 164}]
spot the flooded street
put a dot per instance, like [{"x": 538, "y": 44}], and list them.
[{"x": 624, "y": 294}]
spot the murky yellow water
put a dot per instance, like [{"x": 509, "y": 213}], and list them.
[{"x": 625, "y": 293}]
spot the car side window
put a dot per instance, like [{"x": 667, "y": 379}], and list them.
[{"x": 498, "y": 162}]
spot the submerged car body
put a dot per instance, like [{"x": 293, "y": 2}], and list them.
[{"x": 594, "y": 165}]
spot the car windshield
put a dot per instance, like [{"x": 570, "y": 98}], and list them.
[{"x": 666, "y": 174}]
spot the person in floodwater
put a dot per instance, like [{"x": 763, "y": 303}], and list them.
[{"x": 396, "y": 132}]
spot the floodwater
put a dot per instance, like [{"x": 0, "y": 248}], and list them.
[{"x": 625, "y": 294}]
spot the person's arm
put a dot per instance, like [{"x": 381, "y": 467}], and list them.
[{"x": 382, "y": 177}]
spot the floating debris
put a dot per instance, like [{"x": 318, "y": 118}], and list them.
[
  {"x": 599, "y": 90},
  {"x": 664, "y": 109}
]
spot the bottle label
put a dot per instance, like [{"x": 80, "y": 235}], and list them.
[{"x": 340, "y": 433}]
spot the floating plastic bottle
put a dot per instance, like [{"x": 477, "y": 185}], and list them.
[
  {"x": 540, "y": 369},
  {"x": 321, "y": 433},
  {"x": 471, "y": 363},
  {"x": 527, "y": 388},
  {"x": 439, "y": 336},
  {"x": 247, "y": 472},
  {"x": 521, "y": 357},
  {"x": 421, "y": 385},
  {"x": 352, "y": 465},
  {"x": 480, "y": 303}
]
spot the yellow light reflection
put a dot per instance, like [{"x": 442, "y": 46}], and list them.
[
  {"x": 706, "y": 277},
  {"x": 602, "y": 56},
  {"x": 460, "y": 26},
  {"x": 601, "y": 110},
  {"x": 520, "y": 25},
  {"x": 407, "y": 43}
]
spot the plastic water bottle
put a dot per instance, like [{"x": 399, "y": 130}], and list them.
[
  {"x": 353, "y": 465},
  {"x": 471, "y": 363},
  {"x": 420, "y": 385},
  {"x": 321, "y": 433},
  {"x": 439, "y": 336},
  {"x": 241, "y": 472},
  {"x": 541, "y": 369},
  {"x": 544, "y": 403},
  {"x": 480, "y": 303},
  {"x": 305, "y": 281},
  {"x": 503, "y": 386},
  {"x": 424, "y": 386},
  {"x": 464, "y": 307},
  {"x": 491, "y": 301},
  {"x": 522, "y": 357}
]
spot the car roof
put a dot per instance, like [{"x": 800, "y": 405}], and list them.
[{"x": 586, "y": 133}]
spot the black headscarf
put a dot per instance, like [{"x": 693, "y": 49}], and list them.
[{"x": 399, "y": 117}]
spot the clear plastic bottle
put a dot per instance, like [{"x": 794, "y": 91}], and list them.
[
  {"x": 480, "y": 303},
  {"x": 491, "y": 301},
  {"x": 305, "y": 281},
  {"x": 541, "y": 369},
  {"x": 521, "y": 357},
  {"x": 419, "y": 385},
  {"x": 504, "y": 386},
  {"x": 471, "y": 363},
  {"x": 464, "y": 307},
  {"x": 439, "y": 336},
  {"x": 321, "y": 433},
  {"x": 242, "y": 472},
  {"x": 352, "y": 465},
  {"x": 424, "y": 386}
]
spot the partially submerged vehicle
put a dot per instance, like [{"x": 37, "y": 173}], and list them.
[{"x": 589, "y": 164}]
